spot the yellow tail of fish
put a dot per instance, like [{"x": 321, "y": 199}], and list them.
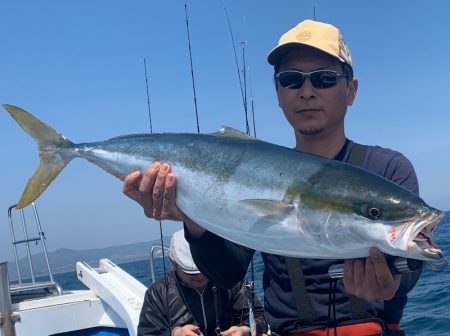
[{"x": 52, "y": 154}]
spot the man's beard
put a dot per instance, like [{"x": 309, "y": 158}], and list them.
[{"x": 310, "y": 131}]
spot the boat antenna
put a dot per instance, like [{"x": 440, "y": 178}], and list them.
[
  {"x": 192, "y": 68},
  {"x": 160, "y": 222},
  {"x": 244, "y": 100}
]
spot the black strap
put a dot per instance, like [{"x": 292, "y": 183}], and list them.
[
  {"x": 357, "y": 306},
  {"x": 217, "y": 329},
  {"x": 299, "y": 290},
  {"x": 357, "y": 154}
]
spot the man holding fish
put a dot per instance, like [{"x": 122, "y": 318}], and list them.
[{"x": 315, "y": 85}]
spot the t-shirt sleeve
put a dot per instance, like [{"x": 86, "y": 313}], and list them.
[{"x": 393, "y": 166}]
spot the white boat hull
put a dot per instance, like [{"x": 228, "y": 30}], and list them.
[{"x": 112, "y": 304}]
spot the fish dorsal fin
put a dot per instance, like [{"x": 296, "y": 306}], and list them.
[{"x": 232, "y": 132}]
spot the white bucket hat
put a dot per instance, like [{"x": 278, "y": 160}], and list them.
[{"x": 180, "y": 253}]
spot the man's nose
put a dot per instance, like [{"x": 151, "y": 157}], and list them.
[{"x": 307, "y": 91}]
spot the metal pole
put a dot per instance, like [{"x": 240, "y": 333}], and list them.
[
  {"x": 13, "y": 236},
  {"x": 155, "y": 249},
  {"x": 7, "y": 319},
  {"x": 27, "y": 244},
  {"x": 44, "y": 247}
]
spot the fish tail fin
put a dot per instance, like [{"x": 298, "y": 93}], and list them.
[{"x": 53, "y": 153}]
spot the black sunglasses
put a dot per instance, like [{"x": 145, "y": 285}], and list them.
[{"x": 320, "y": 79}]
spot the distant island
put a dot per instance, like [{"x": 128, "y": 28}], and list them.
[{"x": 64, "y": 260}]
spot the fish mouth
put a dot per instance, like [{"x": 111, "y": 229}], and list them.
[{"x": 423, "y": 242}]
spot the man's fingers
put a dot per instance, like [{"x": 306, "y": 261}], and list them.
[
  {"x": 359, "y": 270},
  {"x": 385, "y": 280},
  {"x": 229, "y": 331},
  {"x": 192, "y": 330},
  {"x": 131, "y": 184},
  {"x": 380, "y": 268},
  {"x": 370, "y": 278},
  {"x": 148, "y": 180},
  {"x": 169, "y": 207},
  {"x": 349, "y": 266},
  {"x": 146, "y": 188},
  {"x": 159, "y": 188},
  {"x": 155, "y": 191}
]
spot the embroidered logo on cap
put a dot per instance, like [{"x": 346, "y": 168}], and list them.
[{"x": 304, "y": 36}]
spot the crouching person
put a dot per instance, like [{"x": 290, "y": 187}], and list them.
[{"x": 186, "y": 303}]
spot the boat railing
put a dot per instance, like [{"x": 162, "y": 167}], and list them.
[
  {"x": 7, "y": 317},
  {"x": 23, "y": 283},
  {"x": 155, "y": 251}
]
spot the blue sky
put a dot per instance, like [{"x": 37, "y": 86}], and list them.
[{"x": 78, "y": 66}]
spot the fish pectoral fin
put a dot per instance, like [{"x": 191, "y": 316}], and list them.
[{"x": 269, "y": 209}]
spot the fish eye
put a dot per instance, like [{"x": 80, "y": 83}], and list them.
[
  {"x": 370, "y": 212},
  {"x": 373, "y": 213}
]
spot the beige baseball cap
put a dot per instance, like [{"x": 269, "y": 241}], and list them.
[
  {"x": 319, "y": 35},
  {"x": 180, "y": 253}
]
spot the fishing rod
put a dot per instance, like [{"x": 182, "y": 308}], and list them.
[
  {"x": 250, "y": 288},
  {"x": 160, "y": 222},
  {"x": 247, "y": 70},
  {"x": 192, "y": 67},
  {"x": 151, "y": 131},
  {"x": 244, "y": 76},
  {"x": 252, "y": 105},
  {"x": 242, "y": 86},
  {"x": 148, "y": 97},
  {"x": 397, "y": 265}
]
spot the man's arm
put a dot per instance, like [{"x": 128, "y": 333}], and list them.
[{"x": 223, "y": 262}]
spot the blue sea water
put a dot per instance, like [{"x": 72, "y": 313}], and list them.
[{"x": 427, "y": 311}]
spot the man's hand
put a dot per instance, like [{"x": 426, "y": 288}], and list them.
[
  {"x": 370, "y": 278},
  {"x": 237, "y": 331},
  {"x": 155, "y": 191},
  {"x": 187, "y": 330}
]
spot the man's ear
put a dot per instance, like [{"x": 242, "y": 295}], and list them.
[{"x": 352, "y": 89}]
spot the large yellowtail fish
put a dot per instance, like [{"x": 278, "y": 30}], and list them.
[{"x": 258, "y": 194}]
